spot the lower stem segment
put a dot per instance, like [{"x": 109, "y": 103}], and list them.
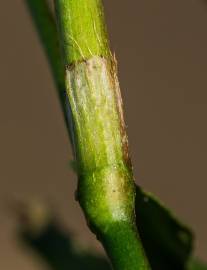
[{"x": 124, "y": 247}]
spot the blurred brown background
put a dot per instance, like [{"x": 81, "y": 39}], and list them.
[{"x": 161, "y": 50}]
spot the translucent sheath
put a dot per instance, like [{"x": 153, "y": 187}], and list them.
[{"x": 105, "y": 188}]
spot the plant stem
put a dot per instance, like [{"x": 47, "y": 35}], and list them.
[
  {"x": 83, "y": 32},
  {"x": 47, "y": 31},
  {"x": 106, "y": 190},
  {"x": 46, "y": 27}
]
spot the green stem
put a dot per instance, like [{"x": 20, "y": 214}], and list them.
[
  {"x": 47, "y": 31},
  {"x": 46, "y": 27},
  {"x": 83, "y": 32},
  {"x": 106, "y": 190}
]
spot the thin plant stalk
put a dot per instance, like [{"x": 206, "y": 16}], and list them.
[{"x": 45, "y": 24}]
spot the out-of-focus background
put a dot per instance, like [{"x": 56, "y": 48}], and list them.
[{"x": 161, "y": 50}]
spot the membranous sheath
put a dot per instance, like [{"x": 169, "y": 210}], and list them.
[{"x": 105, "y": 177}]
